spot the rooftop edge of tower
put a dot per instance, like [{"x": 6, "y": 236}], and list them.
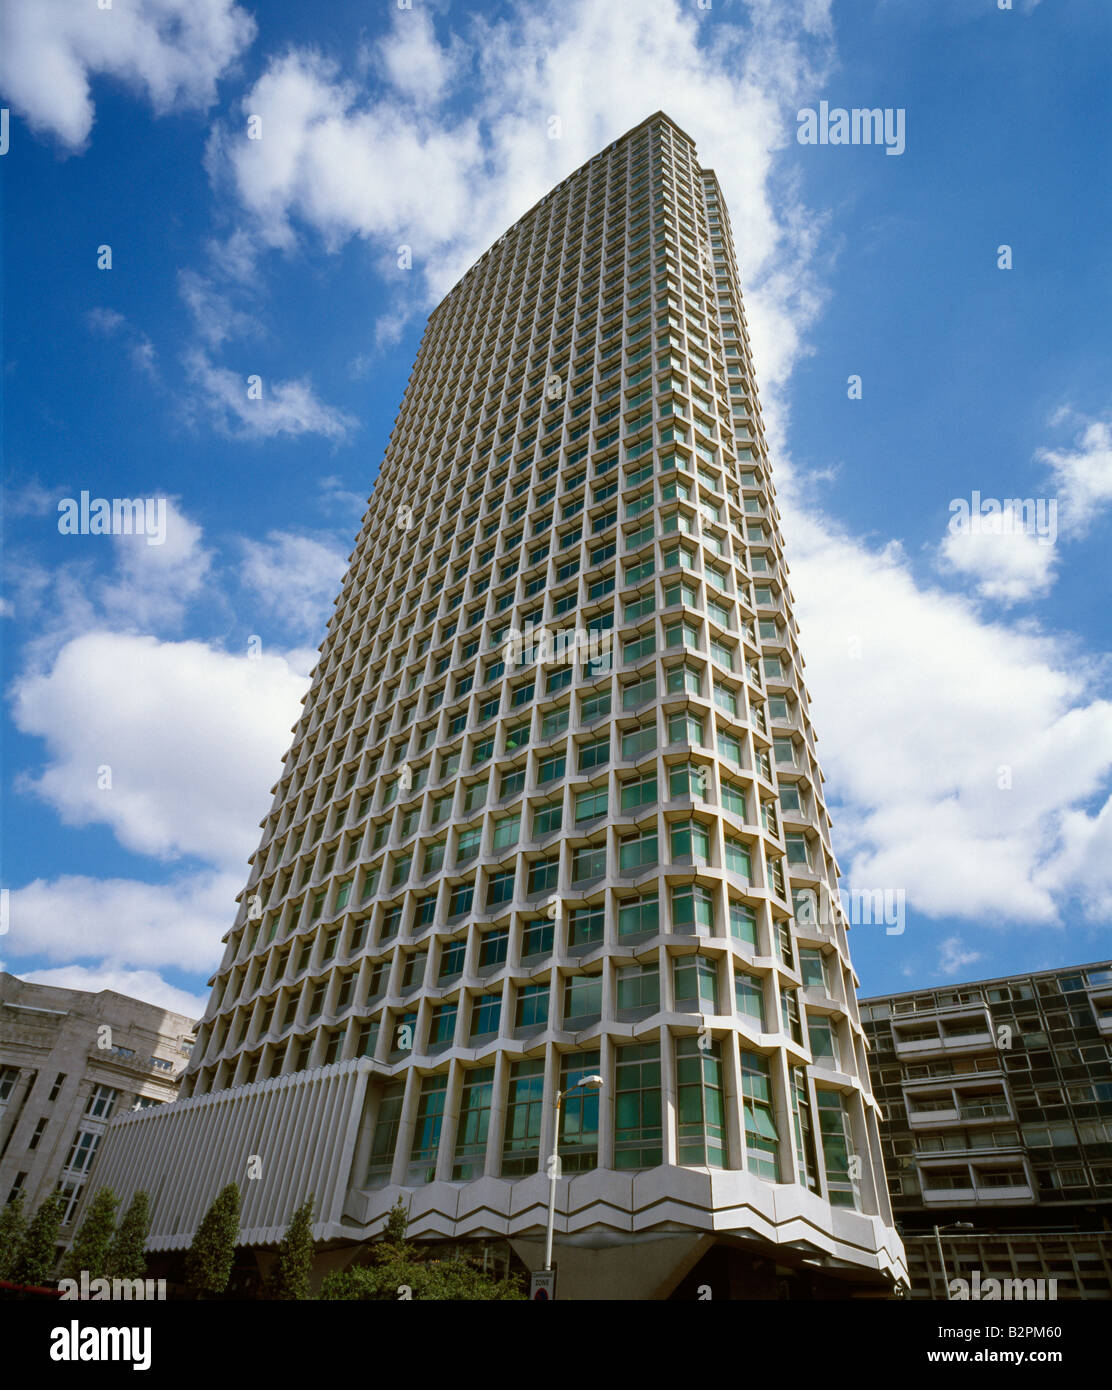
[{"x": 658, "y": 115}]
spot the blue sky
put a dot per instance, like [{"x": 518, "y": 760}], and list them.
[{"x": 960, "y": 682}]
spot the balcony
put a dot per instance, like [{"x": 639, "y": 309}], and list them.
[
  {"x": 986, "y": 1111},
  {"x": 978, "y": 1196},
  {"x": 999, "y": 1179},
  {"x": 967, "y": 1031},
  {"x": 981, "y": 1146},
  {"x": 983, "y": 1111},
  {"x": 1101, "y": 999}
]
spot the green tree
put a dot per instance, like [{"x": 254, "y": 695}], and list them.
[
  {"x": 36, "y": 1255},
  {"x": 400, "y": 1269},
  {"x": 208, "y": 1261},
  {"x": 397, "y": 1223},
  {"x": 295, "y": 1256},
  {"x": 13, "y": 1227},
  {"x": 127, "y": 1257},
  {"x": 92, "y": 1242}
]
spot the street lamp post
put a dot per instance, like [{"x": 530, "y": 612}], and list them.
[
  {"x": 594, "y": 1082},
  {"x": 953, "y": 1226}
]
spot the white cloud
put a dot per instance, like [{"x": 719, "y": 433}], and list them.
[
  {"x": 146, "y": 587},
  {"x": 147, "y": 985},
  {"x": 341, "y": 164},
  {"x": 144, "y": 357},
  {"x": 923, "y": 711},
  {"x": 30, "y": 585},
  {"x": 123, "y": 923},
  {"x": 302, "y": 661},
  {"x": 110, "y": 323},
  {"x": 236, "y": 257},
  {"x": 284, "y": 407},
  {"x": 215, "y": 317},
  {"x": 953, "y": 957},
  {"x": 1007, "y": 549},
  {"x": 171, "y": 51},
  {"x": 106, "y": 321},
  {"x": 1082, "y": 475},
  {"x": 154, "y": 583},
  {"x": 344, "y": 168},
  {"x": 413, "y": 62},
  {"x": 1082, "y": 870},
  {"x": 335, "y": 494},
  {"x": 29, "y": 498},
  {"x": 192, "y": 737},
  {"x": 389, "y": 329},
  {"x": 1004, "y": 560},
  {"x": 295, "y": 578}
]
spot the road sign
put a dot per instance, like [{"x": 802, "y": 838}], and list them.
[{"x": 542, "y": 1286}]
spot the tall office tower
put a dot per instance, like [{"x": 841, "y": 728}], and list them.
[
  {"x": 997, "y": 1097},
  {"x": 553, "y": 811}
]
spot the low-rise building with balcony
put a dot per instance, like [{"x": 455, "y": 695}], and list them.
[{"x": 997, "y": 1104}]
